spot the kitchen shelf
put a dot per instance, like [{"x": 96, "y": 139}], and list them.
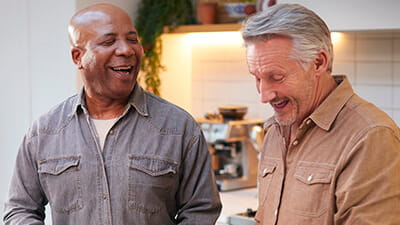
[{"x": 225, "y": 27}]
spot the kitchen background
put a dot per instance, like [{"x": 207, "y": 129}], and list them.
[
  {"x": 204, "y": 70},
  {"x": 214, "y": 72}
]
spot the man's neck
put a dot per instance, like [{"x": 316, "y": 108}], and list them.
[
  {"x": 104, "y": 110},
  {"x": 326, "y": 85}
]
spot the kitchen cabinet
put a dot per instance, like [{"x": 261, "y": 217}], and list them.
[{"x": 345, "y": 15}]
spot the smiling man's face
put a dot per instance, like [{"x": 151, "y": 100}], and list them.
[
  {"x": 281, "y": 80},
  {"x": 107, "y": 52}
]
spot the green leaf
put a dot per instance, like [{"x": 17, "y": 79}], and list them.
[{"x": 153, "y": 16}]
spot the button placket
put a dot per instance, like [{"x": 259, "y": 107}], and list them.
[{"x": 301, "y": 131}]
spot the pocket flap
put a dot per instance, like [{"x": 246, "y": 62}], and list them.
[
  {"x": 267, "y": 169},
  {"x": 313, "y": 175},
  {"x": 152, "y": 166},
  {"x": 57, "y": 166}
]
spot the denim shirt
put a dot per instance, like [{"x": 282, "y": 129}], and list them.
[{"x": 154, "y": 169}]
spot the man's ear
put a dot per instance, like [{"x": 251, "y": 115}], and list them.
[
  {"x": 321, "y": 62},
  {"x": 76, "y": 54}
]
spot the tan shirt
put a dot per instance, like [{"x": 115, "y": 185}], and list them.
[{"x": 342, "y": 169}]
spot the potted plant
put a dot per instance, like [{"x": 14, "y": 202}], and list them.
[
  {"x": 206, "y": 11},
  {"x": 153, "y": 16}
]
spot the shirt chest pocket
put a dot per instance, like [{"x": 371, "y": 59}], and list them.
[
  {"x": 61, "y": 180},
  {"x": 310, "y": 193},
  {"x": 151, "y": 180}
]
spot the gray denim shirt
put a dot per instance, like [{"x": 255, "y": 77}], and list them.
[{"x": 154, "y": 169}]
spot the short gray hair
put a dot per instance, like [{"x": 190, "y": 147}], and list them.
[{"x": 307, "y": 30}]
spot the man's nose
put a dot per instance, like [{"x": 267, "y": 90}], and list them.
[
  {"x": 266, "y": 93},
  {"x": 124, "y": 49}
]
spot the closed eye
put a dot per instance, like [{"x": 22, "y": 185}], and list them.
[
  {"x": 108, "y": 42},
  {"x": 277, "y": 77},
  {"x": 133, "y": 41}
]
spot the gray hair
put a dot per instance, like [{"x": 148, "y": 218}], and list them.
[{"x": 307, "y": 30}]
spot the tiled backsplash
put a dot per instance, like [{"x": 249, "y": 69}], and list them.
[
  {"x": 220, "y": 77},
  {"x": 370, "y": 59}
]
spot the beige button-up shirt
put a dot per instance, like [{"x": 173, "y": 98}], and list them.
[{"x": 342, "y": 169}]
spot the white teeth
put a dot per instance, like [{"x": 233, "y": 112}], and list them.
[
  {"x": 276, "y": 103},
  {"x": 280, "y": 103},
  {"x": 122, "y": 68}
]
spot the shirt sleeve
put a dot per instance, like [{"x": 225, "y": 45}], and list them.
[
  {"x": 198, "y": 199},
  {"x": 26, "y": 202},
  {"x": 368, "y": 188}
]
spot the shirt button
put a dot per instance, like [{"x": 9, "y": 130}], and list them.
[
  {"x": 295, "y": 142},
  {"x": 111, "y": 132},
  {"x": 309, "y": 178},
  {"x": 308, "y": 122},
  {"x": 105, "y": 197},
  {"x": 276, "y": 212}
]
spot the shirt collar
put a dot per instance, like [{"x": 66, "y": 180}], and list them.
[
  {"x": 326, "y": 113},
  {"x": 137, "y": 100},
  {"x": 328, "y": 110}
]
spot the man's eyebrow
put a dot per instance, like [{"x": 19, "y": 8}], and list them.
[
  {"x": 110, "y": 34},
  {"x": 115, "y": 34}
]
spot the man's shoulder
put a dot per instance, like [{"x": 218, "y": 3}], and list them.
[
  {"x": 359, "y": 117},
  {"x": 368, "y": 114},
  {"x": 168, "y": 114},
  {"x": 55, "y": 118}
]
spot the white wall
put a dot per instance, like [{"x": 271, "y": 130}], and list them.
[
  {"x": 176, "y": 80},
  {"x": 36, "y": 70},
  {"x": 372, "y": 61},
  {"x": 15, "y": 98},
  {"x": 207, "y": 70}
]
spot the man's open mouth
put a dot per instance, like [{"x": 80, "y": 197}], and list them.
[
  {"x": 280, "y": 104},
  {"x": 125, "y": 69}
]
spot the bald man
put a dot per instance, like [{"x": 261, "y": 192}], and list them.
[{"x": 113, "y": 154}]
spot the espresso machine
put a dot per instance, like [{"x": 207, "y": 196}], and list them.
[{"x": 234, "y": 144}]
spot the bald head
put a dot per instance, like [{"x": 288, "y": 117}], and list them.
[{"x": 82, "y": 21}]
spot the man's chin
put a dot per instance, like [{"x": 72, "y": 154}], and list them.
[{"x": 283, "y": 121}]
